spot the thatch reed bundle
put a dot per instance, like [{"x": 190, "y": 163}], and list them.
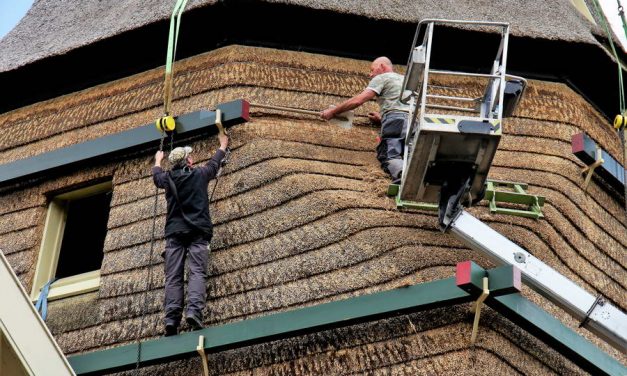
[{"x": 301, "y": 219}]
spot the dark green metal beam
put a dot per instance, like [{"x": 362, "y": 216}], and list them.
[
  {"x": 104, "y": 148},
  {"x": 357, "y": 310},
  {"x": 584, "y": 147},
  {"x": 551, "y": 331},
  {"x": 281, "y": 325}
]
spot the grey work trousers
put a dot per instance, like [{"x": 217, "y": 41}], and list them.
[
  {"x": 391, "y": 149},
  {"x": 177, "y": 249}
]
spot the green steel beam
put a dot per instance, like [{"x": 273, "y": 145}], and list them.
[
  {"x": 518, "y": 196},
  {"x": 393, "y": 191},
  {"x": 346, "y": 312},
  {"x": 105, "y": 148},
  {"x": 501, "y": 281},
  {"x": 280, "y": 325},
  {"x": 551, "y": 331}
]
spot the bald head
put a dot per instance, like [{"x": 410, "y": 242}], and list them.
[
  {"x": 383, "y": 60},
  {"x": 381, "y": 65}
]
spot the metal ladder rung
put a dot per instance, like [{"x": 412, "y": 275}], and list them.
[
  {"x": 463, "y": 99},
  {"x": 451, "y": 108},
  {"x": 453, "y": 73}
]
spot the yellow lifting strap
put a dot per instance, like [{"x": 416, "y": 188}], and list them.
[
  {"x": 476, "y": 308},
  {"x": 167, "y": 123},
  {"x": 203, "y": 356}
]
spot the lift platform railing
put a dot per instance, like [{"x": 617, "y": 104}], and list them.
[{"x": 440, "y": 140}]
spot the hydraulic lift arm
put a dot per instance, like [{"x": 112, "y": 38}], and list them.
[
  {"x": 595, "y": 313},
  {"x": 447, "y": 160}
]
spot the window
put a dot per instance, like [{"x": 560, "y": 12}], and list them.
[{"x": 72, "y": 246}]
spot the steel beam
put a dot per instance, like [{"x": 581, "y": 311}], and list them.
[
  {"x": 107, "y": 147},
  {"x": 600, "y": 317},
  {"x": 611, "y": 170},
  {"x": 280, "y": 325},
  {"x": 352, "y": 311},
  {"x": 551, "y": 331}
]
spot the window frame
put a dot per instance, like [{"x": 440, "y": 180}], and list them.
[{"x": 50, "y": 248}]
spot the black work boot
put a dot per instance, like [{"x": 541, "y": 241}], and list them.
[
  {"x": 194, "y": 322},
  {"x": 171, "y": 330}
]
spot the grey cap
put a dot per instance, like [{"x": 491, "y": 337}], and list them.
[{"x": 179, "y": 154}]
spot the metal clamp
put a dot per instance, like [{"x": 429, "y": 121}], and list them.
[
  {"x": 219, "y": 121},
  {"x": 589, "y": 170},
  {"x": 598, "y": 301},
  {"x": 201, "y": 351},
  {"x": 476, "y": 308}
]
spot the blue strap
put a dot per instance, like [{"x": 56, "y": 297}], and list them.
[{"x": 42, "y": 302}]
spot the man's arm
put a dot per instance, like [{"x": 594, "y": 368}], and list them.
[
  {"x": 349, "y": 104},
  {"x": 158, "y": 176},
  {"x": 213, "y": 165}
]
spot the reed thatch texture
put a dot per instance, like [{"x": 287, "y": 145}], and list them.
[
  {"x": 68, "y": 27},
  {"x": 301, "y": 219}
]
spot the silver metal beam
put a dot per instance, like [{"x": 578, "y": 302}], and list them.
[{"x": 598, "y": 316}]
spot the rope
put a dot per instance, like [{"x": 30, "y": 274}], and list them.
[
  {"x": 222, "y": 164},
  {"x": 621, "y": 13},
  {"x": 42, "y": 303},
  {"x": 150, "y": 264},
  {"x": 621, "y": 91}
]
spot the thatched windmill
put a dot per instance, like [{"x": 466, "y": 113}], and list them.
[{"x": 301, "y": 214}]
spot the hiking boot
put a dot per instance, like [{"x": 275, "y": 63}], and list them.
[
  {"x": 194, "y": 322},
  {"x": 171, "y": 330}
]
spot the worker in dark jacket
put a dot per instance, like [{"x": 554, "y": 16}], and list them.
[{"x": 188, "y": 230}]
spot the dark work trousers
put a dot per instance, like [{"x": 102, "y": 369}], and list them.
[
  {"x": 177, "y": 249},
  {"x": 392, "y": 146}
]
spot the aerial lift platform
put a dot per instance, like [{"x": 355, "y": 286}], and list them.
[{"x": 450, "y": 145}]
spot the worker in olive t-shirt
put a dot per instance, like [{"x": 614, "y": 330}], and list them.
[{"x": 385, "y": 85}]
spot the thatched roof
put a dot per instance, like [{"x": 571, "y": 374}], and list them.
[
  {"x": 301, "y": 219},
  {"x": 54, "y": 27}
]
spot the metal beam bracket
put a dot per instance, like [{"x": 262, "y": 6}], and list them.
[
  {"x": 393, "y": 191},
  {"x": 514, "y": 193},
  {"x": 589, "y": 170},
  {"x": 203, "y": 356},
  {"x": 473, "y": 279},
  {"x": 476, "y": 308},
  {"x": 219, "y": 121}
]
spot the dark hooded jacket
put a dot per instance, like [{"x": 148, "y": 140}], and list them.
[{"x": 191, "y": 185}]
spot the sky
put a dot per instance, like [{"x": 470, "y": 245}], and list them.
[
  {"x": 12, "y": 11},
  {"x": 610, "y": 8}
]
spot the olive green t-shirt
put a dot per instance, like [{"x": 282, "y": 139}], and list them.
[{"x": 388, "y": 89}]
